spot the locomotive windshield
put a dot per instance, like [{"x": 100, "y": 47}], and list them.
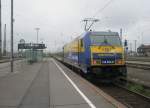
[{"x": 100, "y": 40}]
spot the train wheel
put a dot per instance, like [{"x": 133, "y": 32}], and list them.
[
  {"x": 82, "y": 73},
  {"x": 89, "y": 76},
  {"x": 123, "y": 75},
  {"x": 123, "y": 71}
]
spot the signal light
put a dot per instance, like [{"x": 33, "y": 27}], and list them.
[
  {"x": 125, "y": 43},
  {"x": 119, "y": 61},
  {"x": 94, "y": 61}
]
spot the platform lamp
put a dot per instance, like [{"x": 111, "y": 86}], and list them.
[{"x": 37, "y": 29}]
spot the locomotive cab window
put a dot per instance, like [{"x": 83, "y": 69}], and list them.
[
  {"x": 81, "y": 41},
  {"x": 111, "y": 40}
]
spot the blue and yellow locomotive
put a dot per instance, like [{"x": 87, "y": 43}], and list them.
[{"x": 98, "y": 53}]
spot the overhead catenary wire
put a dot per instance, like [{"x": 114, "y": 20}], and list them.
[
  {"x": 103, "y": 8},
  {"x": 92, "y": 20}
]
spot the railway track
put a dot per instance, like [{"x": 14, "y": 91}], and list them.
[
  {"x": 143, "y": 59},
  {"x": 120, "y": 93},
  {"x": 128, "y": 98},
  {"x": 138, "y": 64}
]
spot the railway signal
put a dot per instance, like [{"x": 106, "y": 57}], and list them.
[{"x": 125, "y": 43}]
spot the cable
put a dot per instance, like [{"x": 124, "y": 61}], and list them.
[{"x": 106, "y": 5}]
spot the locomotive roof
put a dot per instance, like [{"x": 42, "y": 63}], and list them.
[
  {"x": 103, "y": 33},
  {"x": 99, "y": 33}
]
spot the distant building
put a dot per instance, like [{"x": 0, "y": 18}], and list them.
[
  {"x": 132, "y": 53},
  {"x": 143, "y": 50}
]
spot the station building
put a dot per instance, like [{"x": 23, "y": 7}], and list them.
[{"x": 143, "y": 50}]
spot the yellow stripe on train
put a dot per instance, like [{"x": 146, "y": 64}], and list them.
[{"x": 106, "y": 49}]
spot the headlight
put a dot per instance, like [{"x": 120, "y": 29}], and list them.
[
  {"x": 96, "y": 62},
  {"x": 119, "y": 61}
]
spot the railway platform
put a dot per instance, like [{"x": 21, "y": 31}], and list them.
[{"x": 49, "y": 84}]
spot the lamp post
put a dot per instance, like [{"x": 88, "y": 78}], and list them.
[
  {"x": 4, "y": 44},
  {"x": 12, "y": 21},
  {"x": 0, "y": 30},
  {"x": 37, "y": 29}
]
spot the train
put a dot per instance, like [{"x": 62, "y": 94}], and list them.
[{"x": 97, "y": 53}]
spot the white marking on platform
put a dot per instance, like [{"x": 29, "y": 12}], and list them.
[{"x": 75, "y": 86}]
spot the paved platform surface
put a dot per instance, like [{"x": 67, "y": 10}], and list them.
[
  {"x": 47, "y": 85},
  {"x": 5, "y": 67}
]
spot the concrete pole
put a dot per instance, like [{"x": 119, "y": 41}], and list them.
[
  {"x": 135, "y": 44},
  {"x": 12, "y": 30},
  {"x": 37, "y": 36},
  {"x": 142, "y": 37},
  {"x": 121, "y": 35},
  {"x": 131, "y": 47},
  {"x": 4, "y": 46},
  {"x": 0, "y": 29},
  {"x": 37, "y": 29}
]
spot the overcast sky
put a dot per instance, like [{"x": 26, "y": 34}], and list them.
[{"x": 61, "y": 20}]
